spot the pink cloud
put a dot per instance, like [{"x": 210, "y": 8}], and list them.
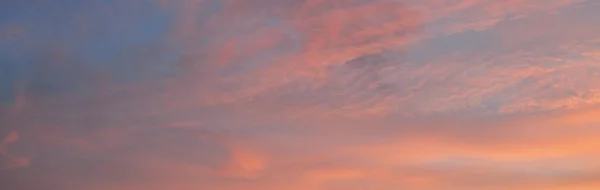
[
  {"x": 11, "y": 32},
  {"x": 328, "y": 100},
  {"x": 11, "y": 161}
]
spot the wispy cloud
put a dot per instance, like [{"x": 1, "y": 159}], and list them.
[{"x": 11, "y": 161}]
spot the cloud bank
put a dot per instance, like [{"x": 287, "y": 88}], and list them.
[{"x": 301, "y": 94}]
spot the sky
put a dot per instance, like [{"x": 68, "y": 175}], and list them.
[{"x": 300, "y": 94}]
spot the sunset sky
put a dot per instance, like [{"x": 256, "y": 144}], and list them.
[{"x": 299, "y": 95}]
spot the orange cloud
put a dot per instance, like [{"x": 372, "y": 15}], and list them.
[{"x": 244, "y": 162}]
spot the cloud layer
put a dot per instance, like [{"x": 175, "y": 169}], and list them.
[{"x": 300, "y": 94}]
